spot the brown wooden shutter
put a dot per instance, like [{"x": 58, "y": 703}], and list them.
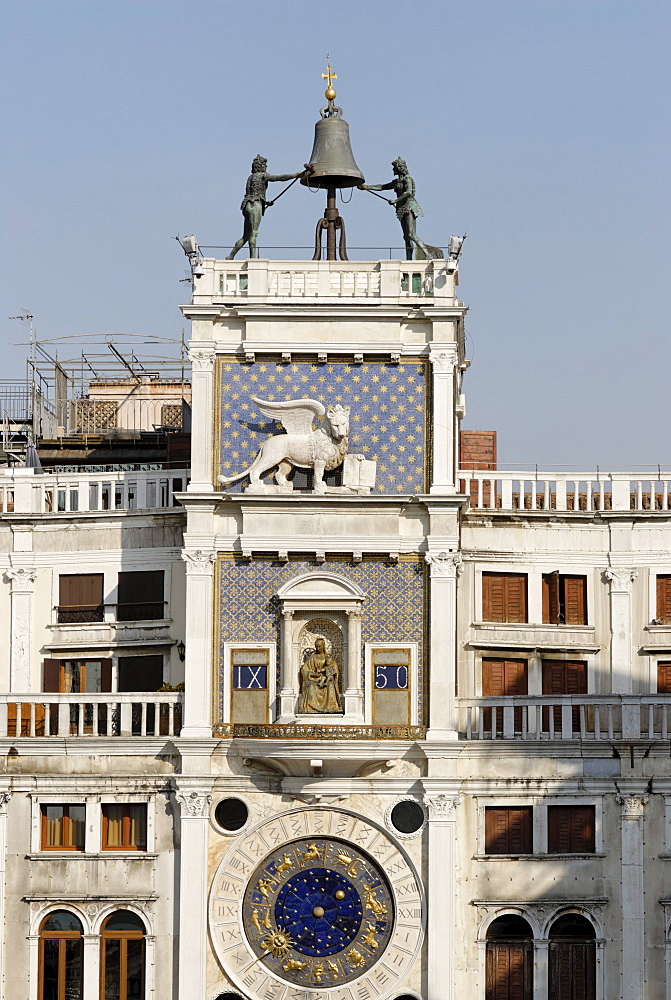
[
  {"x": 508, "y": 971},
  {"x": 559, "y": 830},
  {"x": 570, "y": 829},
  {"x": 572, "y": 973},
  {"x": 492, "y": 597},
  {"x": 106, "y": 675},
  {"x": 51, "y": 676},
  {"x": 664, "y": 678},
  {"x": 575, "y": 600},
  {"x": 550, "y": 598},
  {"x": 520, "y": 830},
  {"x": 582, "y": 829},
  {"x": 516, "y": 598},
  {"x": 664, "y": 599},
  {"x": 80, "y": 590}
]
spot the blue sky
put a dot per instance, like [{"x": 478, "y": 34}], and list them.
[{"x": 540, "y": 128}]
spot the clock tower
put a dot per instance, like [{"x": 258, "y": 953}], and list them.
[{"x": 322, "y": 552}]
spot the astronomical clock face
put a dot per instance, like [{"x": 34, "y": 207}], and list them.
[{"x": 296, "y": 907}]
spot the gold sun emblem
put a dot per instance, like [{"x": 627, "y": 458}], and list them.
[{"x": 278, "y": 944}]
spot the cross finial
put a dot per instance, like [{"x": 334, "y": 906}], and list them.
[{"x": 329, "y": 76}]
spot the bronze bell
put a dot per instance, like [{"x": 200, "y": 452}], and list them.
[{"x": 332, "y": 157}]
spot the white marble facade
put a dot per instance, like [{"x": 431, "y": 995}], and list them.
[{"x": 311, "y": 564}]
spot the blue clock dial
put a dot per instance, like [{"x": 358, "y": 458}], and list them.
[
  {"x": 320, "y": 909},
  {"x": 318, "y": 912}
]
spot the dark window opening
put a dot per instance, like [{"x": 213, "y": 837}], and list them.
[
  {"x": 140, "y": 595},
  {"x": 564, "y": 599}
]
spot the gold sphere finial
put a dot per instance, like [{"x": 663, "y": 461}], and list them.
[{"x": 329, "y": 75}]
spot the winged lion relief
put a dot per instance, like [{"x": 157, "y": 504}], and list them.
[{"x": 320, "y": 448}]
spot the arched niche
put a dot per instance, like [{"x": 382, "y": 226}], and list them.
[{"x": 335, "y": 603}]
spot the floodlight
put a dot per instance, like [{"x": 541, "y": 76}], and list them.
[
  {"x": 189, "y": 245},
  {"x": 454, "y": 247}
]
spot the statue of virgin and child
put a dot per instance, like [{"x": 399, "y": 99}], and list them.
[{"x": 319, "y": 682}]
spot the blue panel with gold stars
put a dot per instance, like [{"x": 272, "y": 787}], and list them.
[{"x": 387, "y": 422}]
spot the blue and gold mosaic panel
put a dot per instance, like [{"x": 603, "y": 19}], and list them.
[
  {"x": 388, "y": 418},
  {"x": 249, "y": 611}
]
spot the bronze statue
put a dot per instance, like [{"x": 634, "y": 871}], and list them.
[
  {"x": 254, "y": 203},
  {"x": 407, "y": 206},
  {"x": 319, "y": 682}
]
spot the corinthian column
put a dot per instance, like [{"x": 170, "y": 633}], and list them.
[
  {"x": 22, "y": 581},
  {"x": 194, "y": 824},
  {"x": 197, "y": 722},
  {"x": 354, "y": 691},
  {"x": 443, "y": 472},
  {"x": 4, "y": 801},
  {"x": 445, "y": 567},
  {"x": 633, "y": 911},
  {"x": 202, "y": 403},
  {"x": 621, "y": 650},
  {"x": 441, "y": 889}
]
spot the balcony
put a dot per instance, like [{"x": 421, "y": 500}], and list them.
[
  {"x": 566, "y": 717},
  {"x": 570, "y": 492},
  {"x": 23, "y": 491},
  {"x": 155, "y": 714}
]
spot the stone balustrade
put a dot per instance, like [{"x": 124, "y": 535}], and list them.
[
  {"x": 566, "y": 717},
  {"x": 567, "y": 492},
  {"x": 259, "y": 280},
  {"x": 23, "y": 491},
  {"x": 154, "y": 714}
]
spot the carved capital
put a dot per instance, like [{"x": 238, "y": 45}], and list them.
[
  {"x": 21, "y": 579},
  {"x": 198, "y": 562},
  {"x": 202, "y": 361},
  {"x": 4, "y": 802},
  {"x": 442, "y": 807},
  {"x": 633, "y": 806},
  {"x": 195, "y": 803},
  {"x": 443, "y": 362},
  {"x": 620, "y": 578},
  {"x": 447, "y": 565},
  {"x": 355, "y": 614}
]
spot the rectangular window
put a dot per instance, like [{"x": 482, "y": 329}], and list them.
[
  {"x": 124, "y": 827},
  {"x": 564, "y": 599},
  {"x": 663, "y": 615},
  {"x": 571, "y": 830},
  {"x": 249, "y": 687},
  {"x": 391, "y": 686},
  {"x": 504, "y": 597},
  {"x": 80, "y": 598},
  {"x": 508, "y": 830},
  {"x": 63, "y": 827},
  {"x": 140, "y": 595},
  {"x": 502, "y": 678},
  {"x": 563, "y": 677},
  {"x": 664, "y": 678}
]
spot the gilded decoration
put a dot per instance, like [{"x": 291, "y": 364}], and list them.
[
  {"x": 320, "y": 673},
  {"x": 249, "y": 609},
  {"x": 387, "y": 402}
]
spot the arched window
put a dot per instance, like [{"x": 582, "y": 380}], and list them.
[
  {"x": 123, "y": 957},
  {"x": 509, "y": 972},
  {"x": 61, "y": 957},
  {"x": 572, "y": 974}
]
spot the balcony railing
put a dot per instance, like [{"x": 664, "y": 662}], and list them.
[
  {"x": 567, "y": 492},
  {"x": 111, "y": 714},
  {"x": 566, "y": 717},
  {"x": 24, "y": 492}
]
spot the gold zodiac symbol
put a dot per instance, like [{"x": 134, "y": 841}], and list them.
[
  {"x": 355, "y": 958},
  {"x": 334, "y": 970},
  {"x": 266, "y": 921},
  {"x": 293, "y": 965},
  {"x": 310, "y": 855},
  {"x": 256, "y": 922},
  {"x": 285, "y": 865},
  {"x": 264, "y": 885},
  {"x": 369, "y": 937},
  {"x": 372, "y": 902},
  {"x": 318, "y": 972}
]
